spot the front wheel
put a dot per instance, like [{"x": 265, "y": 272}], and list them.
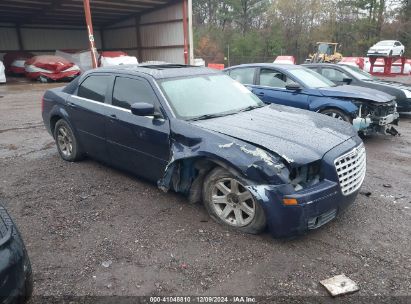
[
  {"x": 338, "y": 114},
  {"x": 230, "y": 203},
  {"x": 66, "y": 142}
]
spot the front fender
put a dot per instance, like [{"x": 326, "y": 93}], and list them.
[
  {"x": 318, "y": 104},
  {"x": 242, "y": 159}
]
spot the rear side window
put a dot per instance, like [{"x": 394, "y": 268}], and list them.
[
  {"x": 128, "y": 91},
  {"x": 243, "y": 75},
  {"x": 94, "y": 87}
]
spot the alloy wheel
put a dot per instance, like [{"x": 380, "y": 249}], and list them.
[
  {"x": 65, "y": 141},
  {"x": 232, "y": 202}
]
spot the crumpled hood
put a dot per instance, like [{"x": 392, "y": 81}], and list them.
[
  {"x": 356, "y": 92},
  {"x": 298, "y": 136}
]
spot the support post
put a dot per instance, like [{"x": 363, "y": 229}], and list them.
[
  {"x": 139, "y": 41},
  {"x": 185, "y": 26},
  {"x": 89, "y": 23},
  {"x": 19, "y": 38},
  {"x": 190, "y": 31}
]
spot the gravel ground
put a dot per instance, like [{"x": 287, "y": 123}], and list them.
[{"x": 94, "y": 230}]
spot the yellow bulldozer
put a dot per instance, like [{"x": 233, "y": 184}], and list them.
[{"x": 325, "y": 52}]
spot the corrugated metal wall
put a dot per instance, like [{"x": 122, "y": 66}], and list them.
[
  {"x": 161, "y": 36},
  {"x": 41, "y": 40}
]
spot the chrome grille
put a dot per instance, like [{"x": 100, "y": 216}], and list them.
[{"x": 351, "y": 169}]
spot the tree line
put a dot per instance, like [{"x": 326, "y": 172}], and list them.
[{"x": 240, "y": 31}]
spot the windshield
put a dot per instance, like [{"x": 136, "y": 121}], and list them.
[
  {"x": 324, "y": 48},
  {"x": 208, "y": 95},
  {"x": 311, "y": 79},
  {"x": 385, "y": 43},
  {"x": 358, "y": 73}
]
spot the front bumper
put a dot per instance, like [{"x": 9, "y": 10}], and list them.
[
  {"x": 317, "y": 205},
  {"x": 376, "y": 125},
  {"x": 378, "y": 53}
]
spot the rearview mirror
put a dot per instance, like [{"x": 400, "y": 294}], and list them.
[
  {"x": 142, "y": 109},
  {"x": 347, "y": 80},
  {"x": 293, "y": 86}
]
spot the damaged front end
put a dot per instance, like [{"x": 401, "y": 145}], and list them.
[{"x": 376, "y": 118}]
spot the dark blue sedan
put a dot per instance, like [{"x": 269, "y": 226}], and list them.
[
  {"x": 370, "y": 111},
  {"x": 198, "y": 132}
]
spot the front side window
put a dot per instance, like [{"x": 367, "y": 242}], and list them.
[
  {"x": 333, "y": 74},
  {"x": 243, "y": 75},
  {"x": 128, "y": 91},
  {"x": 199, "y": 96},
  {"x": 94, "y": 87},
  {"x": 274, "y": 79}
]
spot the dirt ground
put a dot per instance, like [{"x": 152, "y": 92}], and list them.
[{"x": 93, "y": 230}]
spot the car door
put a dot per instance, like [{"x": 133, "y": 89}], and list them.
[
  {"x": 138, "y": 144},
  {"x": 87, "y": 111},
  {"x": 335, "y": 75},
  {"x": 271, "y": 88}
]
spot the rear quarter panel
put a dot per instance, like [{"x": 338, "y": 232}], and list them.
[{"x": 54, "y": 107}]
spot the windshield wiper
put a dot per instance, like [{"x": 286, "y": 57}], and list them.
[
  {"x": 208, "y": 116},
  {"x": 249, "y": 108}
]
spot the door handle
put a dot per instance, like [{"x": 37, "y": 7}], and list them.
[
  {"x": 73, "y": 105},
  {"x": 261, "y": 94},
  {"x": 113, "y": 116}
]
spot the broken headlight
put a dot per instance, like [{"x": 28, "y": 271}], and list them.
[{"x": 305, "y": 176}]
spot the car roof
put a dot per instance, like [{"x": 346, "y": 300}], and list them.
[
  {"x": 392, "y": 41},
  {"x": 321, "y": 64},
  {"x": 157, "y": 71},
  {"x": 279, "y": 66}
]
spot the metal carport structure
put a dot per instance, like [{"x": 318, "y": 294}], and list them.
[{"x": 149, "y": 29}]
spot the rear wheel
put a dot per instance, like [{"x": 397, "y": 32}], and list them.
[
  {"x": 67, "y": 143},
  {"x": 230, "y": 203},
  {"x": 338, "y": 114}
]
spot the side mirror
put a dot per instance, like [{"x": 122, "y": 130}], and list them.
[
  {"x": 347, "y": 80},
  {"x": 293, "y": 86},
  {"x": 142, "y": 109}
]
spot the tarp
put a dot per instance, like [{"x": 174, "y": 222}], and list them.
[
  {"x": 116, "y": 58},
  {"x": 80, "y": 58},
  {"x": 50, "y": 67},
  {"x": 14, "y": 61},
  {"x": 2, "y": 73}
]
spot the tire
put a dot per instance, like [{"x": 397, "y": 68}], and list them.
[
  {"x": 67, "y": 143},
  {"x": 401, "y": 53},
  {"x": 390, "y": 55},
  {"x": 26, "y": 290},
  {"x": 221, "y": 191},
  {"x": 338, "y": 114},
  {"x": 28, "y": 283}
]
